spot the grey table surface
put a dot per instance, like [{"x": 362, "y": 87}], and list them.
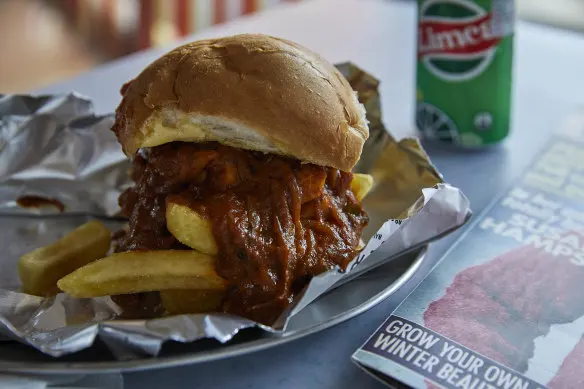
[{"x": 380, "y": 37}]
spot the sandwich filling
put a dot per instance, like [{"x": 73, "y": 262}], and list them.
[{"x": 276, "y": 221}]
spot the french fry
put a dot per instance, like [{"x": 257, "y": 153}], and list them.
[
  {"x": 143, "y": 271},
  {"x": 190, "y": 228},
  {"x": 177, "y": 302},
  {"x": 193, "y": 230},
  {"x": 40, "y": 269},
  {"x": 361, "y": 185}
]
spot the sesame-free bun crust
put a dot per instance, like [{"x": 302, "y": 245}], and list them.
[{"x": 254, "y": 92}]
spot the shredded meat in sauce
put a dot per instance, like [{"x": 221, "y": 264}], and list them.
[{"x": 277, "y": 222}]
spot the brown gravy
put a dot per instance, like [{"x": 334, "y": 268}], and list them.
[{"x": 277, "y": 222}]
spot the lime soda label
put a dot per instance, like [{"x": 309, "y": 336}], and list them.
[{"x": 464, "y": 70}]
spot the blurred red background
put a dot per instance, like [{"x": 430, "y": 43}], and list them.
[{"x": 46, "y": 41}]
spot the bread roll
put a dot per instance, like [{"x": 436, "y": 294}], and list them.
[{"x": 248, "y": 91}]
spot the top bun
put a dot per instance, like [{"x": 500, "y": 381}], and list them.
[{"x": 253, "y": 92}]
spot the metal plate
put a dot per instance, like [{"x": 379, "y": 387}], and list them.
[{"x": 327, "y": 311}]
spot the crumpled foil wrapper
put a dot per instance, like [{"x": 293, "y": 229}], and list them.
[{"x": 54, "y": 147}]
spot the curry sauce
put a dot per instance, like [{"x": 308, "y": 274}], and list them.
[{"x": 277, "y": 222}]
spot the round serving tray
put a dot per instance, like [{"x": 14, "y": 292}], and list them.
[{"x": 336, "y": 306}]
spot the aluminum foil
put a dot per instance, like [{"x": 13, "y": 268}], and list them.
[{"x": 54, "y": 147}]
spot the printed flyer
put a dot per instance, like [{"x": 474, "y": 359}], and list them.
[{"x": 504, "y": 308}]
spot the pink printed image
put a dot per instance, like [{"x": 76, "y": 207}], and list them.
[{"x": 500, "y": 307}]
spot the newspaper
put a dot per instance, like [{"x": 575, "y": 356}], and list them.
[{"x": 504, "y": 307}]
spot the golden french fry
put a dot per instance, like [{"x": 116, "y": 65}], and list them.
[
  {"x": 190, "y": 228},
  {"x": 40, "y": 269},
  {"x": 177, "y": 302},
  {"x": 361, "y": 185},
  {"x": 193, "y": 230},
  {"x": 143, "y": 271}
]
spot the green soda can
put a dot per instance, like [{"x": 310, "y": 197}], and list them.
[{"x": 464, "y": 70}]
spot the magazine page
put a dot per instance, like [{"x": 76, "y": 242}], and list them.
[{"x": 504, "y": 307}]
